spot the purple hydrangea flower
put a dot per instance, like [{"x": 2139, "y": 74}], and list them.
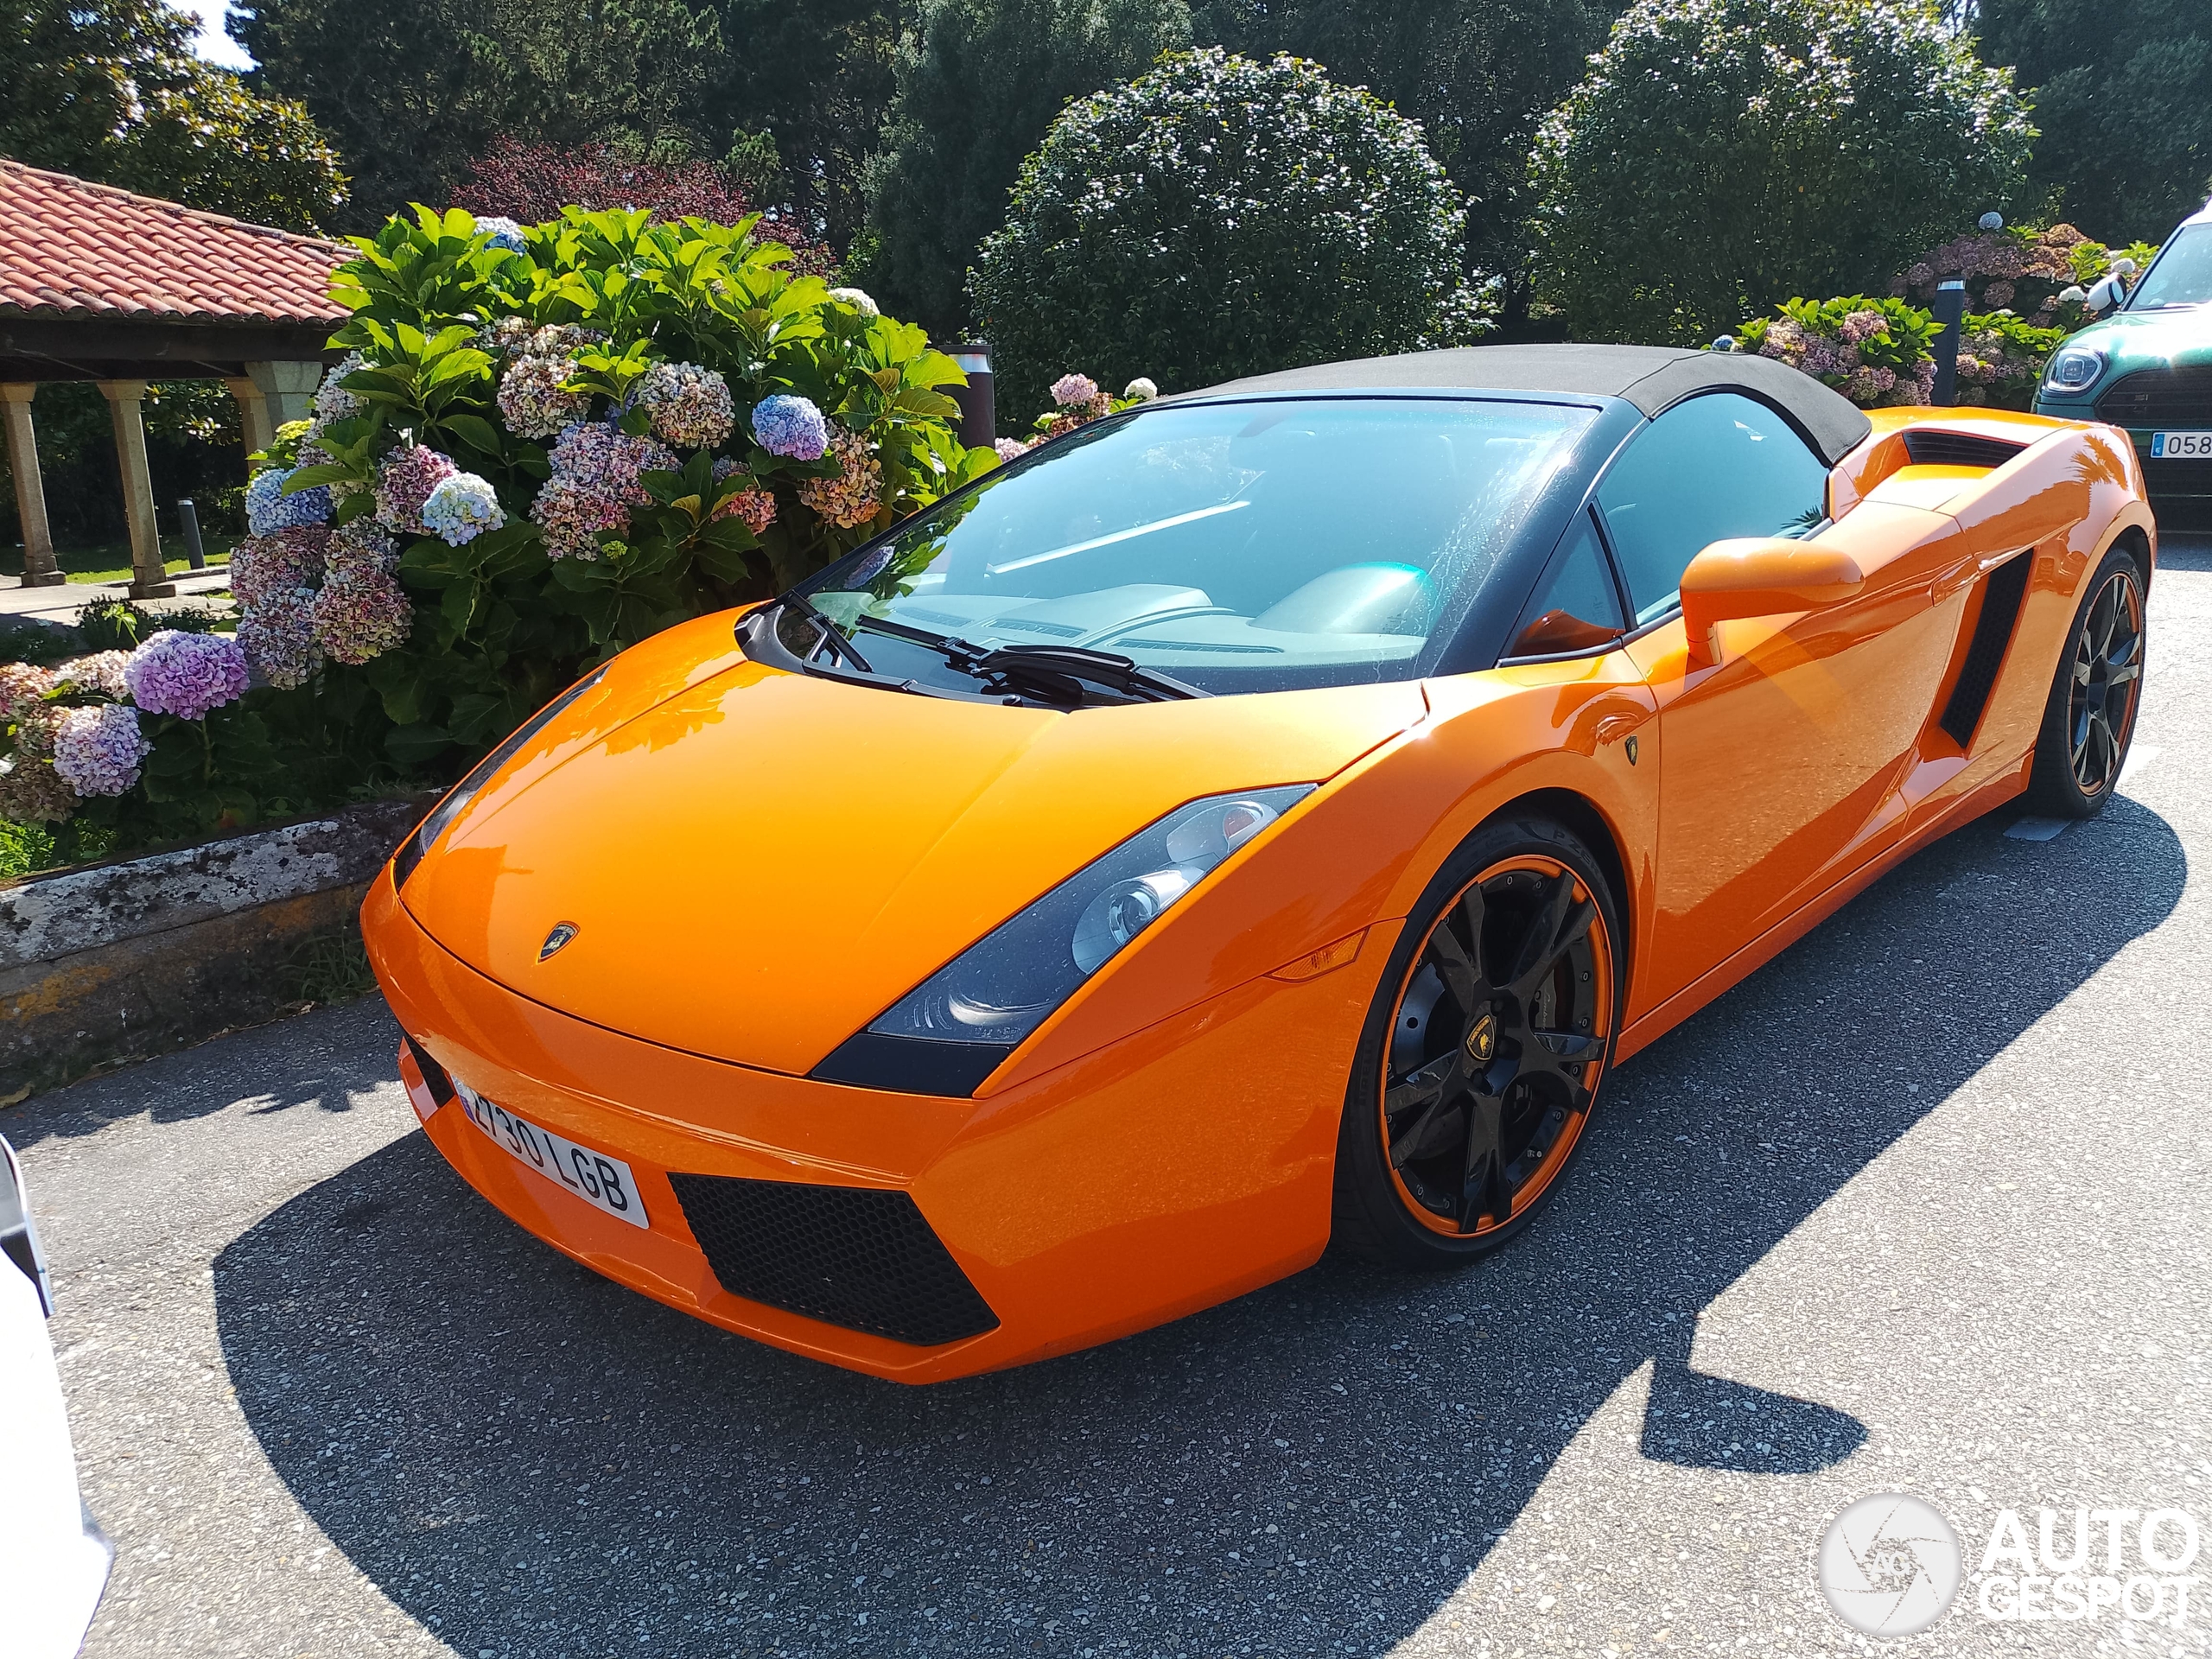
[
  {"x": 97, "y": 749},
  {"x": 290, "y": 558},
  {"x": 269, "y": 510},
  {"x": 1009, "y": 448},
  {"x": 791, "y": 427},
  {"x": 186, "y": 675}
]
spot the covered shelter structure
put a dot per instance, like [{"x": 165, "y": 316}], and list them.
[{"x": 99, "y": 284}]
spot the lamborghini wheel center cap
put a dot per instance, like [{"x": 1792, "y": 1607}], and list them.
[{"x": 1482, "y": 1037}]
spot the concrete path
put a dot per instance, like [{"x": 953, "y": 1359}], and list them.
[{"x": 1926, "y": 1205}]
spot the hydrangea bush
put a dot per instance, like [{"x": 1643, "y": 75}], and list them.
[
  {"x": 566, "y": 436},
  {"x": 155, "y": 741},
  {"x": 2024, "y": 271},
  {"x": 1879, "y": 351},
  {"x": 542, "y": 444}
]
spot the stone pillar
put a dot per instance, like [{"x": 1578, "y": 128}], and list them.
[
  {"x": 289, "y": 388},
  {"x": 40, "y": 569},
  {"x": 253, "y": 413},
  {"x": 123, "y": 400}
]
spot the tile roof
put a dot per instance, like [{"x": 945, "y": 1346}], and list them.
[{"x": 69, "y": 248}]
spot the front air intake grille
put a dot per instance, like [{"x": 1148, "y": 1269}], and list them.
[
  {"x": 1930, "y": 447},
  {"x": 2160, "y": 398},
  {"x": 2178, "y": 480},
  {"x": 434, "y": 1075},
  {"x": 857, "y": 1257}
]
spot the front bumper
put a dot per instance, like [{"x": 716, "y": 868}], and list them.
[{"x": 1182, "y": 1165}]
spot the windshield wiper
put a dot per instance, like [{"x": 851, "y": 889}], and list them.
[
  {"x": 1056, "y": 670},
  {"x": 831, "y": 637},
  {"x": 1053, "y": 674}
]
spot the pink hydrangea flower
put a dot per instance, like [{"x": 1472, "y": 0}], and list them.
[
  {"x": 851, "y": 499},
  {"x": 1074, "y": 390},
  {"x": 97, "y": 749},
  {"x": 595, "y": 485},
  {"x": 23, "y": 687},
  {"x": 359, "y": 616},
  {"x": 188, "y": 674},
  {"x": 689, "y": 405},
  {"x": 290, "y": 558},
  {"x": 1009, "y": 448},
  {"x": 101, "y": 672},
  {"x": 404, "y": 482},
  {"x": 278, "y": 636}
]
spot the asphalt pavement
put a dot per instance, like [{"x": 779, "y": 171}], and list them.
[{"x": 1921, "y": 1207}]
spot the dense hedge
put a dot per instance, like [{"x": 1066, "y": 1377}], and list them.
[{"x": 1221, "y": 217}]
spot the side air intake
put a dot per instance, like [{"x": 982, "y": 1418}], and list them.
[
  {"x": 2002, "y": 590},
  {"x": 857, "y": 1257},
  {"x": 1932, "y": 447}
]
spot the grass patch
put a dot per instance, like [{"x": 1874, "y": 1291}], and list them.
[
  {"x": 331, "y": 968},
  {"x": 110, "y": 560}
]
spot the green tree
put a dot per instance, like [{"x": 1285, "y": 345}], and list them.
[
  {"x": 1724, "y": 155},
  {"x": 1218, "y": 217},
  {"x": 979, "y": 82},
  {"x": 2123, "y": 95},
  {"x": 1476, "y": 75},
  {"x": 112, "y": 90}
]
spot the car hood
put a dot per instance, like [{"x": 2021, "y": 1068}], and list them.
[
  {"x": 758, "y": 865},
  {"x": 2142, "y": 340}
]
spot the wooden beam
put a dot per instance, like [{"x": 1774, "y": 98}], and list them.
[{"x": 84, "y": 348}]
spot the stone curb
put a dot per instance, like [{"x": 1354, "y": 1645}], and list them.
[{"x": 133, "y": 957}]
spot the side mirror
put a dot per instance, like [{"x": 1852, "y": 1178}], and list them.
[
  {"x": 2105, "y": 293},
  {"x": 1760, "y": 576}
]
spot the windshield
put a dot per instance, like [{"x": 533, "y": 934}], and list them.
[
  {"x": 2180, "y": 275},
  {"x": 1237, "y": 547}
]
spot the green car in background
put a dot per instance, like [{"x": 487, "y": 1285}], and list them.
[{"x": 2147, "y": 366}]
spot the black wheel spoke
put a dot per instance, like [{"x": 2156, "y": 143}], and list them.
[
  {"x": 1476, "y": 909},
  {"x": 1455, "y": 967},
  {"x": 1483, "y": 1190},
  {"x": 1423, "y": 1109},
  {"x": 1560, "y": 922}
]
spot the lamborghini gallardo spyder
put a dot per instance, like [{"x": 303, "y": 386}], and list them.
[{"x": 1259, "y": 819}]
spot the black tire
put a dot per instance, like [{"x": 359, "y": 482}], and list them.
[
  {"x": 1394, "y": 1202},
  {"x": 2089, "y": 721}
]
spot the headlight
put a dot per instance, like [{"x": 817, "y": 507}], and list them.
[
  {"x": 2073, "y": 368},
  {"x": 427, "y": 832},
  {"x": 951, "y": 1033}
]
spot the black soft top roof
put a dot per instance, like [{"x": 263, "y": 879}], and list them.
[{"x": 1652, "y": 378}]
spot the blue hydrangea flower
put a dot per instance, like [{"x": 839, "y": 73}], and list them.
[
  {"x": 506, "y": 233},
  {"x": 461, "y": 508},
  {"x": 792, "y": 427},
  {"x": 269, "y": 510}
]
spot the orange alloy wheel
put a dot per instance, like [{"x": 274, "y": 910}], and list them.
[
  {"x": 2108, "y": 676},
  {"x": 1497, "y": 1036}
]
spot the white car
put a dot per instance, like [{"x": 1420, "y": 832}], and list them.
[{"x": 54, "y": 1559}]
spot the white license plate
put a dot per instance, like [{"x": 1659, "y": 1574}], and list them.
[
  {"x": 602, "y": 1182},
  {"x": 2181, "y": 446}
]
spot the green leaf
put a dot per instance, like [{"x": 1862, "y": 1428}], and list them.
[{"x": 415, "y": 745}]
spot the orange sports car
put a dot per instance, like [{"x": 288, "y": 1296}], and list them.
[{"x": 1258, "y": 818}]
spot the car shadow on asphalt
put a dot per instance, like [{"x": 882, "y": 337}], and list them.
[
  {"x": 531, "y": 1461},
  {"x": 327, "y": 1074}
]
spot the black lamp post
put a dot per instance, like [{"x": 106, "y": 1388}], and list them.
[
  {"x": 979, "y": 416},
  {"x": 1950, "y": 309}
]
